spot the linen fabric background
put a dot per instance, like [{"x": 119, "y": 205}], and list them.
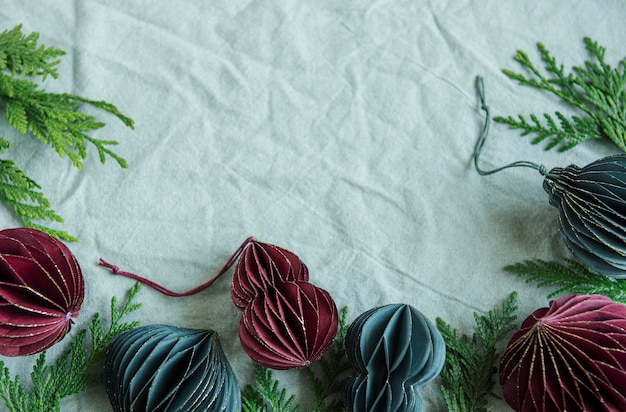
[{"x": 340, "y": 130}]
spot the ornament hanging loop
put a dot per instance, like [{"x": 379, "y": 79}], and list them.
[
  {"x": 116, "y": 271},
  {"x": 480, "y": 88}
]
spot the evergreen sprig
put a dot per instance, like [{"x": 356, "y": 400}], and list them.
[
  {"x": 20, "y": 53},
  {"x": 569, "y": 276},
  {"x": 467, "y": 375},
  {"x": 594, "y": 89},
  {"x": 25, "y": 197},
  {"x": 54, "y": 118},
  {"x": 267, "y": 395},
  {"x": 71, "y": 373},
  {"x": 326, "y": 378}
]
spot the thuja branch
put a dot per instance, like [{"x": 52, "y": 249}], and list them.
[
  {"x": 568, "y": 276},
  {"x": 267, "y": 395},
  {"x": 595, "y": 90},
  {"x": 20, "y": 54},
  {"x": 53, "y": 118},
  {"x": 24, "y": 196},
  {"x": 71, "y": 373},
  {"x": 326, "y": 376},
  {"x": 467, "y": 376}
]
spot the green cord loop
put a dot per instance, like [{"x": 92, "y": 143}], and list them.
[{"x": 480, "y": 87}]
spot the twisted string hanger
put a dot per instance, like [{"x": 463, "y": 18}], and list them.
[{"x": 480, "y": 87}]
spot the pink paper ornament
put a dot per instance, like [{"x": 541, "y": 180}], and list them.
[
  {"x": 568, "y": 357},
  {"x": 41, "y": 291}
]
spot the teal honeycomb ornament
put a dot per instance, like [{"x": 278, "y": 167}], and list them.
[
  {"x": 591, "y": 203},
  {"x": 165, "y": 368},
  {"x": 592, "y": 212},
  {"x": 395, "y": 350}
]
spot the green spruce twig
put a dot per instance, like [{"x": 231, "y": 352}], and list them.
[
  {"x": 595, "y": 90},
  {"x": 467, "y": 376},
  {"x": 54, "y": 118},
  {"x": 569, "y": 276},
  {"x": 71, "y": 373}
]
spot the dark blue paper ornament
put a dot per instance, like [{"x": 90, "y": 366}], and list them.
[
  {"x": 592, "y": 212},
  {"x": 395, "y": 349},
  {"x": 165, "y": 368},
  {"x": 591, "y": 203}
]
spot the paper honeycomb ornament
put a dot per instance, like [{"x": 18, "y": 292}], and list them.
[
  {"x": 287, "y": 321},
  {"x": 41, "y": 291},
  {"x": 165, "y": 368}
]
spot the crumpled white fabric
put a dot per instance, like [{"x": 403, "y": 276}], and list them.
[{"x": 342, "y": 131}]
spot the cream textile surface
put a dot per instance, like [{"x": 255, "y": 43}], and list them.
[{"x": 340, "y": 130}]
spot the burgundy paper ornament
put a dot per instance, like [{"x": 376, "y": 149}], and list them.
[
  {"x": 261, "y": 266},
  {"x": 288, "y": 326},
  {"x": 41, "y": 291},
  {"x": 568, "y": 357},
  {"x": 287, "y": 322}
]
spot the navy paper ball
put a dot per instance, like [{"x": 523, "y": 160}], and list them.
[
  {"x": 165, "y": 368},
  {"x": 592, "y": 212}
]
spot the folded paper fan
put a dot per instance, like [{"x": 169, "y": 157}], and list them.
[
  {"x": 289, "y": 326},
  {"x": 41, "y": 291},
  {"x": 165, "y": 368},
  {"x": 568, "y": 357},
  {"x": 395, "y": 350}
]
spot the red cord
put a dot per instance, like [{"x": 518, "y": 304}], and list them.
[{"x": 116, "y": 271}]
